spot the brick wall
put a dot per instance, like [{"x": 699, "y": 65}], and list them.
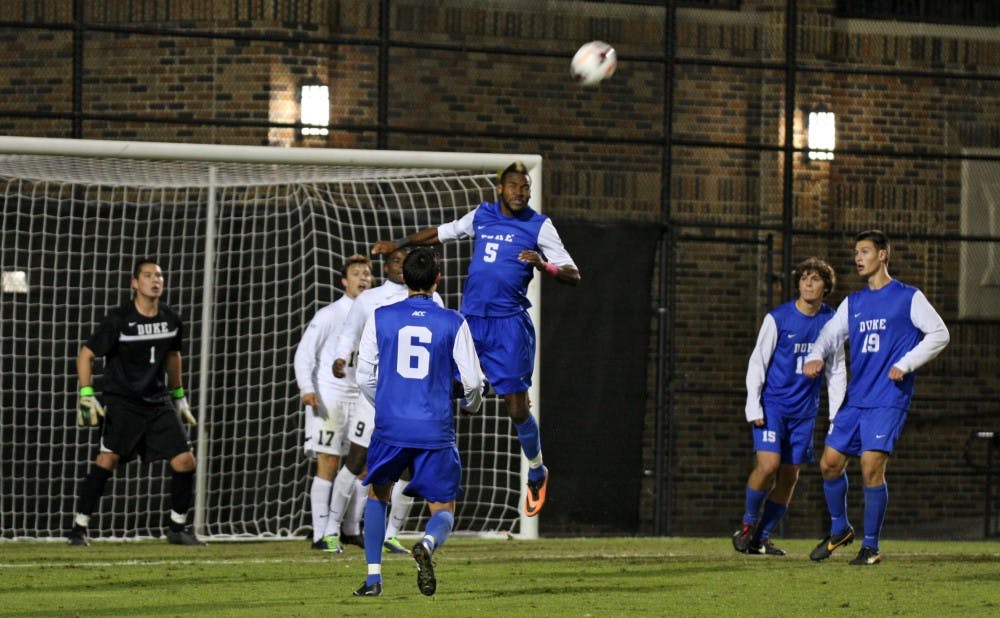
[{"x": 510, "y": 91}]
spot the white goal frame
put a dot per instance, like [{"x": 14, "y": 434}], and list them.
[{"x": 11, "y": 145}]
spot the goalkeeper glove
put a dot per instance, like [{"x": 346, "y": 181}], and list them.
[
  {"x": 180, "y": 403},
  {"x": 88, "y": 408}
]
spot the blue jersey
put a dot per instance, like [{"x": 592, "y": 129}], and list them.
[
  {"x": 497, "y": 284},
  {"x": 786, "y": 390},
  {"x": 881, "y": 331},
  {"x": 416, "y": 341}
]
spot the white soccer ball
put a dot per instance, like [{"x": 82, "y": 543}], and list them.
[{"x": 593, "y": 63}]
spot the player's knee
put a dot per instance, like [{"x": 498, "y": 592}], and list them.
[
  {"x": 355, "y": 461},
  {"x": 184, "y": 462}
]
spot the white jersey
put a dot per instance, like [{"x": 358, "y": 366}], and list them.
[
  {"x": 346, "y": 344},
  {"x": 315, "y": 355}
]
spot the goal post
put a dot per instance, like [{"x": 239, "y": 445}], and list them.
[{"x": 250, "y": 238}]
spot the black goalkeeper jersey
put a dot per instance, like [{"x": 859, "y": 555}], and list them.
[{"x": 135, "y": 349}]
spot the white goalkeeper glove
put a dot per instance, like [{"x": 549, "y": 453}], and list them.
[
  {"x": 88, "y": 408},
  {"x": 180, "y": 403}
]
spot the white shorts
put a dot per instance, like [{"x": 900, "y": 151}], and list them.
[{"x": 347, "y": 421}]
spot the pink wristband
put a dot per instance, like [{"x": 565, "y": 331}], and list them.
[{"x": 551, "y": 269}]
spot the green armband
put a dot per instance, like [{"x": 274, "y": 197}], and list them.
[
  {"x": 86, "y": 391},
  {"x": 177, "y": 393}
]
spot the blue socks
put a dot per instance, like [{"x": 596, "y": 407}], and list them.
[
  {"x": 439, "y": 527},
  {"x": 836, "y": 502},
  {"x": 754, "y": 499},
  {"x": 528, "y": 434},
  {"x": 773, "y": 512},
  {"x": 876, "y": 503},
  {"x": 375, "y": 511}
]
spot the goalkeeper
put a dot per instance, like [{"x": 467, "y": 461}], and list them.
[{"x": 140, "y": 342}]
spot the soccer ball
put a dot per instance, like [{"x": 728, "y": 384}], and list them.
[{"x": 593, "y": 63}]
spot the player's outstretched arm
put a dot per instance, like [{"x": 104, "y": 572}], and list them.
[
  {"x": 177, "y": 395},
  {"x": 426, "y": 236}
]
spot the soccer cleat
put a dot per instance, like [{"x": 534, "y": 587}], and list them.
[
  {"x": 353, "y": 539},
  {"x": 372, "y": 590},
  {"x": 331, "y": 544},
  {"x": 742, "y": 538},
  {"x": 318, "y": 544},
  {"x": 764, "y": 547},
  {"x": 535, "y": 499},
  {"x": 78, "y": 536},
  {"x": 392, "y": 545},
  {"x": 184, "y": 536},
  {"x": 425, "y": 569},
  {"x": 830, "y": 543},
  {"x": 866, "y": 557}
]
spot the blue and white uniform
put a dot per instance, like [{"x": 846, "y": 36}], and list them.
[
  {"x": 345, "y": 346},
  {"x": 894, "y": 325},
  {"x": 779, "y": 393},
  {"x": 495, "y": 298},
  {"x": 417, "y": 347}
]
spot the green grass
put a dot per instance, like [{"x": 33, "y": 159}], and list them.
[{"x": 551, "y": 577}]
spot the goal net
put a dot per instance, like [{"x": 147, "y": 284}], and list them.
[{"x": 250, "y": 240}]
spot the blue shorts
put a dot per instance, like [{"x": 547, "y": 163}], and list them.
[
  {"x": 506, "y": 349},
  {"x": 855, "y": 430},
  {"x": 436, "y": 473},
  {"x": 789, "y": 436}
]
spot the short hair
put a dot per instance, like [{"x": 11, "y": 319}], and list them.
[
  {"x": 420, "y": 269},
  {"x": 821, "y": 268},
  {"x": 142, "y": 262},
  {"x": 878, "y": 238},
  {"x": 514, "y": 168},
  {"x": 351, "y": 260}
]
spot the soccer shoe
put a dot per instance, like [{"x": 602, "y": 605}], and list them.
[
  {"x": 535, "y": 499},
  {"x": 425, "y": 569},
  {"x": 353, "y": 539},
  {"x": 392, "y": 545},
  {"x": 830, "y": 543},
  {"x": 373, "y": 590},
  {"x": 78, "y": 536},
  {"x": 764, "y": 547},
  {"x": 331, "y": 544},
  {"x": 866, "y": 557},
  {"x": 184, "y": 536},
  {"x": 742, "y": 538},
  {"x": 320, "y": 544}
]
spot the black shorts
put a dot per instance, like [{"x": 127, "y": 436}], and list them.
[{"x": 151, "y": 431}]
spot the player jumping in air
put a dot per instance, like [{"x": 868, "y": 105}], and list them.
[{"x": 511, "y": 241}]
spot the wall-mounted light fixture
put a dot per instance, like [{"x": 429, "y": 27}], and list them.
[
  {"x": 314, "y": 107},
  {"x": 822, "y": 135}
]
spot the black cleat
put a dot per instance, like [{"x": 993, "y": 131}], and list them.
[
  {"x": 866, "y": 557},
  {"x": 425, "y": 569},
  {"x": 353, "y": 539},
  {"x": 373, "y": 590},
  {"x": 830, "y": 543},
  {"x": 742, "y": 538},
  {"x": 764, "y": 547},
  {"x": 78, "y": 536},
  {"x": 184, "y": 536}
]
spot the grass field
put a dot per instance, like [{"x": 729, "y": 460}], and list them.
[{"x": 551, "y": 577}]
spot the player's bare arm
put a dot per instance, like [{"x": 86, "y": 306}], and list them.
[
  {"x": 567, "y": 273},
  {"x": 426, "y": 236}
]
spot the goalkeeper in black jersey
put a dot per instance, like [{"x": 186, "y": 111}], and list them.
[{"x": 141, "y": 344}]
